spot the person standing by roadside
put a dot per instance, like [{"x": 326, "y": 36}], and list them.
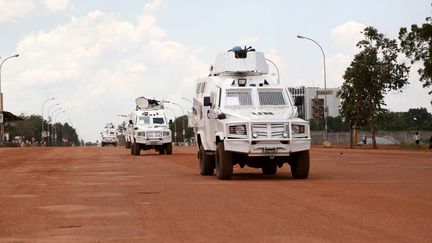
[{"x": 417, "y": 138}]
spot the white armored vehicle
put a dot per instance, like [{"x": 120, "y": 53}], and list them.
[
  {"x": 148, "y": 128},
  {"x": 242, "y": 115},
  {"x": 109, "y": 135}
]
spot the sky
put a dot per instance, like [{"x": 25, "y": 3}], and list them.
[{"x": 95, "y": 57}]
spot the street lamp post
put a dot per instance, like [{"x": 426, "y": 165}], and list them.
[
  {"x": 55, "y": 130},
  {"x": 49, "y": 121},
  {"x": 43, "y": 105},
  {"x": 52, "y": 124},
  {"x": 183, "y": 132},
  {"x": 325, "y": 84},
  {"x": 1, "y": 98}
]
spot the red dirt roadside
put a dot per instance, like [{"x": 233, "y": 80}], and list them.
[{"x": 107, "y": 195}]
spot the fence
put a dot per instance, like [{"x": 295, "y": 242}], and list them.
[{"x": 397, "y": 136}]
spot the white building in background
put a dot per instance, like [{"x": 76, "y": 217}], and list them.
[{"x": 310, "y": 102}]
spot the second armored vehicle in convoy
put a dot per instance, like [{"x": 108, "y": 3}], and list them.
[
  {"x": 147, "y": 128},
  {"x": 243, "y": 115},
  {"x": 109, "y": 135}
]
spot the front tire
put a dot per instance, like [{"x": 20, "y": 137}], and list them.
[
  {"x": 223, "y": 162},
  {"x": 300, "y": 165},
  {"x": 206, "y": 162},
  {"x": 136, "y": 149},
  {"x": 169, "y": 148},
  {"x": 128, "y": 145}
]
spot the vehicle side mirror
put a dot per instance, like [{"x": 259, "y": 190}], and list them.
[
  {"x": 130, "y": 122},
  {"x": 221, "y": 116},
  {"x": 207, "y": 101},
  {"x": 298, "y": 101}
]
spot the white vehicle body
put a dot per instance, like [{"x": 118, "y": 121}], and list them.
[
  {"x": 148, "y": 129},
  {"x": 109, "y": 135},
  {"x": 242, "y": 115}
]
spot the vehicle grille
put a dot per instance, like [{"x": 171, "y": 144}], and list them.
[
  {"x": 154, "y": 134},
  {"x": 272, "y": 130}
]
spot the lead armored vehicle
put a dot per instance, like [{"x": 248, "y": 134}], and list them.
[{"x": 242, "y": 115}]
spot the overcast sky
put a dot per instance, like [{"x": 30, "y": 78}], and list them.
[{"x": 97, "y": 56}]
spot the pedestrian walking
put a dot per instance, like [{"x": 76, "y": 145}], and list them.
[{"x": 364, "y": 139}]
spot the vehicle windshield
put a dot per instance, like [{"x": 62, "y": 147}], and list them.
[
  {"x": 158, "y": 120},
  {"x": 143, "y": 120},
  {"x": 238, "y": 97},
  {"x": 271, "y": 97},
  {"x": 244, "y": 97}
]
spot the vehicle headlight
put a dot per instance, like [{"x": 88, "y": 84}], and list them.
[
  {"x": 238, "y": 130},
  {"x": 254, "y": 135},
  {"x": 141, "y": 134},
  {"x": 166, "y": 134},
  {"x": 285, "y": 134},
  {"x": 298, "y": 129}
]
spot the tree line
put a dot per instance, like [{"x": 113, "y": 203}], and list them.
[
  {"x": 415, "y": 119},
  {"x": 376, "y": 70},
  {"x": 29, "y": 130}
]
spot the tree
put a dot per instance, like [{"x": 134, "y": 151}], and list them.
[
  {"x": 417, "y": 45},
  {"x": 373, "y": 72}
]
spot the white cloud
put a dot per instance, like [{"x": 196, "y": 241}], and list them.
[
  {"x": 57, "y": 5},
  {"x": 336, "y": 67},
  {"x": 96, "y": 65},
  {"x": 347, "y": 35},
  {"x": 12, "y": 10},
  {"x": 151, "y": 7}
]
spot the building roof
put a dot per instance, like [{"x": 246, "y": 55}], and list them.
[{"x": 9, "y": 117}]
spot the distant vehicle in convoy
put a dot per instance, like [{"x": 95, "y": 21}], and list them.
[
  {"x": 242, "y": 115},
  {"x": 109, "y": 135},
  {"x": 147, "y": 128}
]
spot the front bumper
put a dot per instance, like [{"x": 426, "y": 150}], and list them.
[
  {"x": 109, "y": 140},
  {"x": 153, "y": 141},
  {"x": 267, "y": 148}
]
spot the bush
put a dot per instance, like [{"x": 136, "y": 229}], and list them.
[
  {"x": 8, "y": 144},
  {"x": 411, "y": 146}
]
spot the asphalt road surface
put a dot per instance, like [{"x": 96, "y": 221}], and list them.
[{"x": 107, "y": 195}]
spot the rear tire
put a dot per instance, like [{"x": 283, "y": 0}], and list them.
[
  {"x": 300, "y": 165},
  {"x": 206, "y": 162},
  {"x": 223, "y": 162},
  {"x": 169, "y": 148},
  {"x": 269, "y": 168}
]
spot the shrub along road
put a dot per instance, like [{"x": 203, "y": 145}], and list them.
[{"x": 107, "y": 195}]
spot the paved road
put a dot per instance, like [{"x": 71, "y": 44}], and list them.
[{"x": 107, "y": 195}]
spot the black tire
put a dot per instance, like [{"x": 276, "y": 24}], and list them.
[
  {"x": 223, "y": 163},
  {"x": 136, "y": 149},
  {"x": 127, "y": 145},
  {"x": 300, "y": 165},
  {"x": 206, "y": 162},
  {"x": 269, "y": 168},
  {"x": 162, "y": 151},
  {"x": 103, "y": 144},
  {"x": 169, "y": 148}
]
